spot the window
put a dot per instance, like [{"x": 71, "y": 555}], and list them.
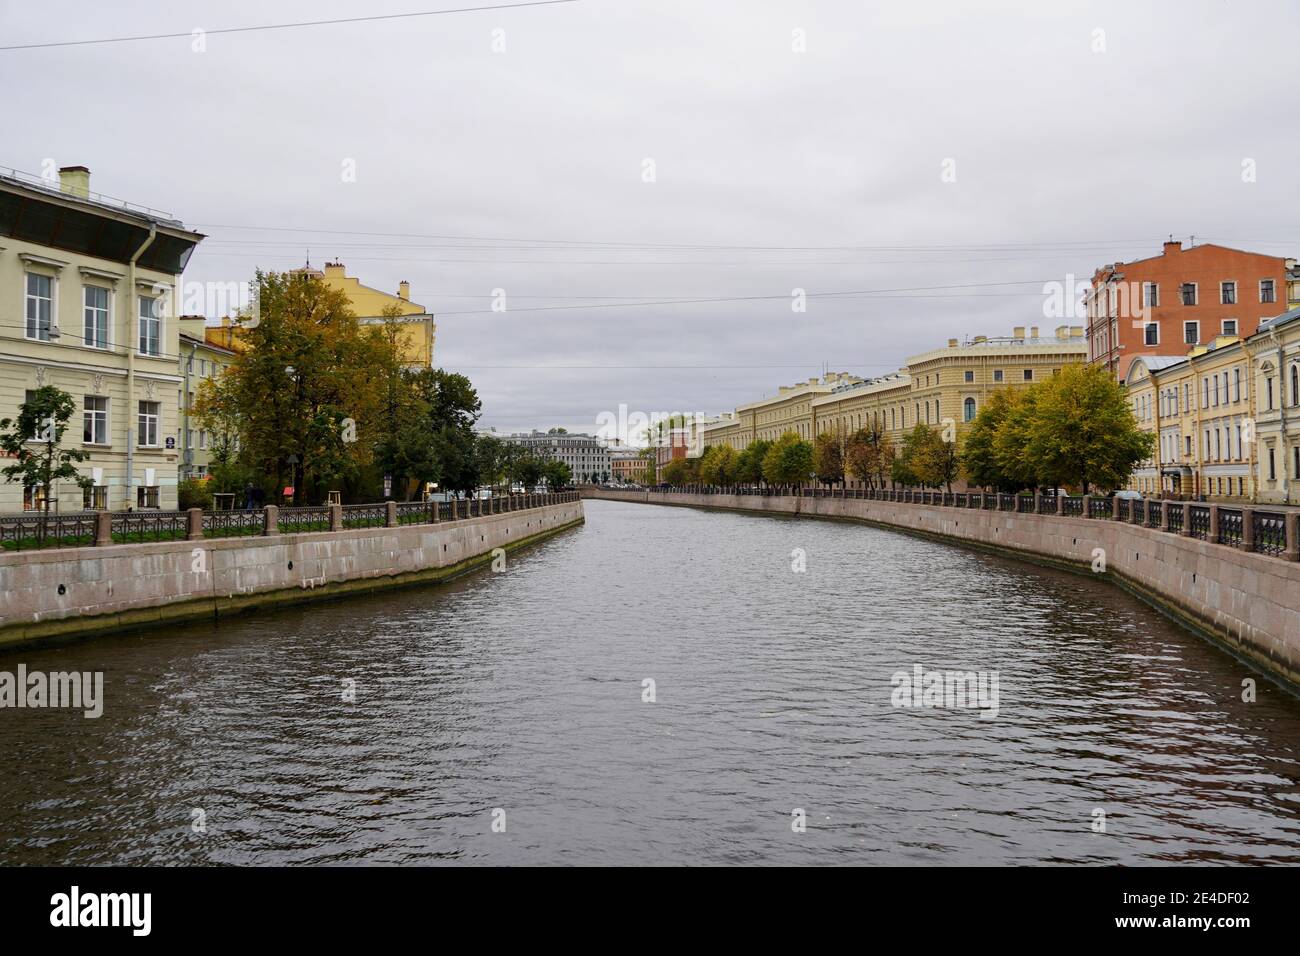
[
  {"x": 1229, "y": 326},
  {"x": 1191, "y": 332},
  {"x": 1029, "y": 375},
  {"x": 40, "y": 306},
  {"x": 1295, "y": 459},
  {"x": 1188, "y": 293},
  {"x": 95, "y": 498},
  {"x": 95, "y": 420},
  {"x": 150, "y": 326},
  {"x": 1152, "y": 333},
  {"x": 95, "y": 333},
  {"x": 146, "y": 496},
  {"x": 968, "y": 410},
  {"x": 997, "y": 375},
  {"x": 1272, "y": 464},
  {"x": 1150, "y": 294},
  {"x": 148, "y": 424},
  {"x": 1228, "y": 293},
  {"x": 970, "y": 375},
  {"x": 1268, "y": 389},
  {"x": 34, "y": 498},
  {"x": 1266, "y": 291},
  {"x": 1216, "y": 388}
]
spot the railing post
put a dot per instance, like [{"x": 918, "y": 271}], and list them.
[
  {"x": 336, "y": 517},
  {"x": 1114, "y": 508},
  {"x": 103, "y": 528},
  {"x": 1137, "y": 511},
  {"x": 1292, "y": 552},
  {"x": 1212, "y": 535},
  {"x": 390, "y": 516},
  {"x": 1247, "y": 529},
  {"x": 195, "y": 530},
  {"x": 1060, "y": 502},
  {"x": 1187, "y": 520},
  {"x": 437, "y": 510},
  {"x": 1087, "y": 506},
  {"x": 270, "y": 520},
  {"x": 1164, "y": 515}
]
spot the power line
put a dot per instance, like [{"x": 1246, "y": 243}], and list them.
[
  {"x": 284, "y": 26},
  {"x": 895, "y": 247}
]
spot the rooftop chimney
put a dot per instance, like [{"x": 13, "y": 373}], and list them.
[
  {"x": 1076, "y": 331},
  {"x": 75, "y": 181},
  {"x": 952, "y": 343},
  {"x": 1172, "y": 246},
  {"x": 1018, "y": 332},
  {"x": 404, "y": 290},
  {"x": 1033, "y": 331},
  {"x": 1062, "y": 331}
]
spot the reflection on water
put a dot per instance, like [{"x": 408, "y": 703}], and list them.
[{"x": 523, "y": 691}]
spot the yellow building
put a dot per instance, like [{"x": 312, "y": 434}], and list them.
[
  {"x": 88, "y": 285},
  {"x": 1275, "y": 380},
  {"x": 945, "y": 383},
  {"x": 1201, "y": 410},
  {"x": 200, "y": 360},
  {"x": 371, "y": 306}
]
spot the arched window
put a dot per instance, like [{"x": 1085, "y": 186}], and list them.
[{"x": 969, "y": 410}]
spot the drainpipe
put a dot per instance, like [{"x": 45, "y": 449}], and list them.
[
  {"x": 133, "y": 343},
  {"x": 1281, "y": 415},
  {"x": 185, "y": 413}
]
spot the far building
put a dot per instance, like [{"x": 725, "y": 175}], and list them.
[
  {"x": 1180, "y": 299},
  {"x": 588, "y": 457},
  {"x": 200, "y": 361}
]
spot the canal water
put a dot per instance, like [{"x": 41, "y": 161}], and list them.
[{"x": 519, "y": 699}]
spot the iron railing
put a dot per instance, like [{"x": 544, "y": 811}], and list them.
[{"x": 27, "y": 532}]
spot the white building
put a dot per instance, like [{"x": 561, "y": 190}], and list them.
[{"x": 587, "y": 457}]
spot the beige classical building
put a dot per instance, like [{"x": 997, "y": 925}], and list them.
[
  {"x": 945, "y": 383},
  {"x": 1275, "y": 380},
  {"x": 89, "y": 284},
  {"x": 1200, "y": 408}
]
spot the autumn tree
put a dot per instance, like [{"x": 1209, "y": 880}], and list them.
[{"x": 828, "y": 458}]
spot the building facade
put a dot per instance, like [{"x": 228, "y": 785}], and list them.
[
  {"x": 944, "y": 384},
  {"x": 587, "y": 457},
  {"x": 1182, "y": 298},
  {"x": 200, "y": 361},
  {"x": 1275, "y": 379},
  {"x": 89, "y": 286},
  {"x": 417, "y": 329}
]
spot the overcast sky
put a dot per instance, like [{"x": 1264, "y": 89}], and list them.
[{"x": 1078, "y": 133}]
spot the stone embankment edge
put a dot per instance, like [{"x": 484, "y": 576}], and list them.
[{"x": 23, "y": 636}]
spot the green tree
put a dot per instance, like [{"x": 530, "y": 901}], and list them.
[
  {"x": 34, "y": 440},
  {"x": 557, "y": 474},
  {"x": 720, "y": 465},
  {"x": 936, "y": 461},
  {"x": 677, "y": 472},
  {"x": 1083, "y": 431},
  {"x": 749, "y": 466},
  {"x": 980, "y": 459},
  {"x": 789, "y": 461}
]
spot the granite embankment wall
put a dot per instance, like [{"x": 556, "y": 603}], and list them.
[
  {"x": 1249, "y": 603},
  {"x": 76, "y": 591}
]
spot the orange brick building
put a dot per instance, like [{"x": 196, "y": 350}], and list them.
[{"x": 1181, "y": 298}]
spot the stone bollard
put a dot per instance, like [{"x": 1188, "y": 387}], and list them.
[
  {"x": 390, "y": 516},
  {"x": 271, "y": 520},
  {"x": 1164, "y": 515},
  {"x": 1292, "y": 552},
  {"x": 195, "y": 530},
  {"x": 1247, "y": 529},
  {"x": 1212, "y": 535},
  {"x": 336, "y": 517},
  {"x": 103, "y": 528}
]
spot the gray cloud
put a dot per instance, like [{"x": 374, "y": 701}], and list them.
[{"x": 755, "y": 145}]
